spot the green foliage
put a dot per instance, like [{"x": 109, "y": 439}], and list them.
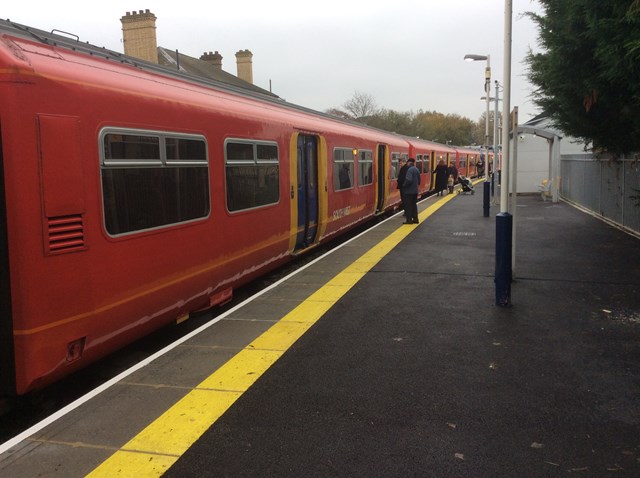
[
  {"x": 587, "y": 78},
  {"x": 429, "y": 125}
]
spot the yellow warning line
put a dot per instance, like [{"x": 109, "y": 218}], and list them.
[{"x": 157, "y": 447}]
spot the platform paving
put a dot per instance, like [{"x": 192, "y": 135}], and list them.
[{"x": 415, "y": 371}]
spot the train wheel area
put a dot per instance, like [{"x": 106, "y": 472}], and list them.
[{"x": 388, "y": 357}]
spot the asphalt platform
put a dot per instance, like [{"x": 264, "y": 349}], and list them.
[{"x": 415, "y": 372}]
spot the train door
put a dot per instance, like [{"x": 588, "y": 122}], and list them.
[
  {"x": 434, "y": 162},
  {"x": 307, "y": 180},
  {"x": 382, "y": 155},
  {"x": 7, "y": 364}
]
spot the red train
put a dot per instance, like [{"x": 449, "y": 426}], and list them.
[{"x": 132, "y": 197}]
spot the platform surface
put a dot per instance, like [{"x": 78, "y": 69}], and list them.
[{"x": 389, "y": 357}]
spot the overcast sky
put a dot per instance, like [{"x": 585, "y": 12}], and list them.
[{"x": 406, "y": 54}]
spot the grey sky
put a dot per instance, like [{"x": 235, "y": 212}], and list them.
[{"x": 407, "y": 54}]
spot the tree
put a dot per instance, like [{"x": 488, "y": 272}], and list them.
[
  {"x": 442, "y": 128},
  {"x": 361, "y": 105},
  {"x": 587, "y": 78},
  {"x": 394, "y": 121},
  {"x": 430, "y": 125},
  {"x": 339, "y": 113}
]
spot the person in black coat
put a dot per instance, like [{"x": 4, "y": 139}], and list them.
[
  {"x": 453, "y": 171},
  {"x": 402, "y": 174},
  {"x": 410, "y": 192},
  {"x": 442, "y": 176}
]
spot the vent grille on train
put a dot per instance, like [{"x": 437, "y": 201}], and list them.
[{"x": 66, "y": 233}]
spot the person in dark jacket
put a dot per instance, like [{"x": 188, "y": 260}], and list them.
[
  {"x": 344, "y": 177},
  {"x": 452, "y": 174},
  {"x": 453, "y": 171},
  {"x": 410, "y": 192},
  {"x": 441, "y": 177},
  {"x": 402, "y": 174}
]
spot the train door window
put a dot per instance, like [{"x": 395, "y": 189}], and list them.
[
  {"x": 395, "y": 158},
  {"x": 252, "y": 174},
  {"x": 365, "y": 167},
  {"x": 419, "y": 163},
  {"x": 343, "y": 168},
  {"x": 152, "y": 179}
]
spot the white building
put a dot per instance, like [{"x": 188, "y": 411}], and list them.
[{"x": 533, "y": 154}]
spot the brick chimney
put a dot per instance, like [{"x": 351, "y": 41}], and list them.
[
  {"x": 214, "y": 58},
  {"x": 139, "y": 35},
  {"x": 245, "y": 65}
]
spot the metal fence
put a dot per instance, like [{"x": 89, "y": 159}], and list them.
[{"x": 609, "y": 188}]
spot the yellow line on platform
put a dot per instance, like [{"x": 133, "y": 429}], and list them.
[{"x": 160, "y": 445}]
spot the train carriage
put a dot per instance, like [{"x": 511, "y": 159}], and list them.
[
  {"x": 427, "y": 155},
  {"x": 467, "y": 160},
  {"x": 131, "y": 198}
]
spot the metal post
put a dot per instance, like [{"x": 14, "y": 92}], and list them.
[
  {"x": 514, "y": 190},
  {"x": 496, "y": 149},
  {"x": 487, "y": 89},
  {"x": 487, "y": 184},
  {"x": 504, "y": 224},
  {"x": 555, "y": 185}
]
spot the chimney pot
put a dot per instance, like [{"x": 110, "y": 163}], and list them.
[
  {"x": 214, "y": 58},
  {"x": 245, "y": 65},
  {"x": 139, "y": 35}
]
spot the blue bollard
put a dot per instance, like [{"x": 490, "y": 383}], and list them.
[
  {"x": 504, "y": 274},
  {"x": 485, "y": 199}
]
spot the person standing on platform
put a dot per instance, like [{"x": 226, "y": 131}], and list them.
[
  {"x": 441, "y": 177},
  {"x": 453, "y": 171},
  {"x": 401, "y": 176},
  {"x": 410, "y": 192}
]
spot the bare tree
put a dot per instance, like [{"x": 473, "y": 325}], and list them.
[
  {"x": 361, "y": 105},
  {"x": 339, "y": 113}
]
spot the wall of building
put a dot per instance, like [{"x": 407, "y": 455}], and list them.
[{"x": 533, "y": 157}]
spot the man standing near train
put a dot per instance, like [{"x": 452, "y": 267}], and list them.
[
  {"x": 401, "y": 175},
  {"x": 410, "y": 192}
]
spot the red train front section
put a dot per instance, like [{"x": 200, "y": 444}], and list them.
[{"x": 130, "y": 199}]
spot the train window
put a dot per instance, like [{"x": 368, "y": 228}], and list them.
[
  {"x": 252, "y": 174},
  {"x": 152, "y": 179},
  {"x": 365, "y": 167},
  {"x": 419, "y": 163},
  {"x": 131, "y": 148},
  {"x": 180, "y": 149},
  {"x": 395, "y": 158},
  {"x": 342, "y": 168}
]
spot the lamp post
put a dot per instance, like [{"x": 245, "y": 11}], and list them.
[
  {"x": 487, "y": 89},
  {"x": 504, "y": 220},
  {"x": 496, "y": 139}
]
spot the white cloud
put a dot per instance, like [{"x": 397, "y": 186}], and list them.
[{"x": 407, "y": 54}]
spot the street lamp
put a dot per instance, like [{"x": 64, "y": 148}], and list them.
[
  {"x": 504, "y": 220},
  {"x": 496, "y": 139},
  {"x": 487, "y": 89}
]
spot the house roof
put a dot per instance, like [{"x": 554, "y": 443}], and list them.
[
  {"x": 191, "y": 69},
  {"x": 537, "y": 119},
  {"x": 173, "y": 59}
]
